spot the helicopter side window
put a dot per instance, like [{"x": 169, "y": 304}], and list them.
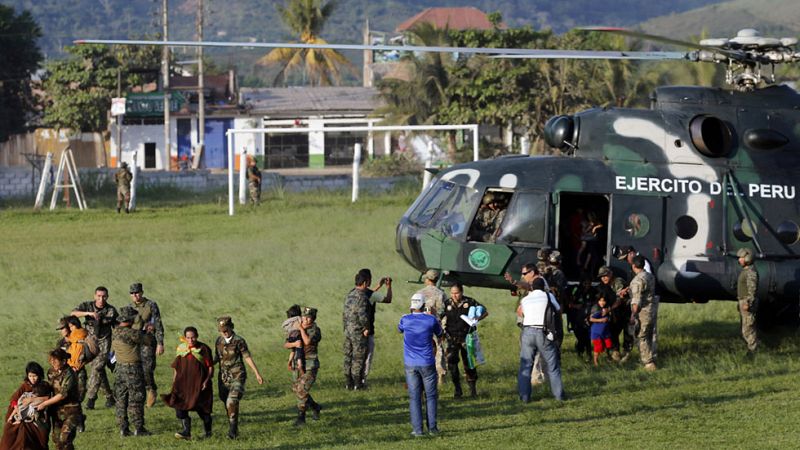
[
  {"x": 525, "y": 219},
  {"x": 486, "y": 226}
]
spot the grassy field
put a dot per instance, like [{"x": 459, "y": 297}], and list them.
[{"x": 198, "y": 263}]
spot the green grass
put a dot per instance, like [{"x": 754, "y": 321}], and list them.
[{"x": 198, "y": 263}]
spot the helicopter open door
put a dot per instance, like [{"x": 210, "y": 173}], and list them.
[{"x": 582, "y": 232}]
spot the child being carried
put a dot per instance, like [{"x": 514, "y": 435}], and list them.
[{"x": 291, "y": 327}]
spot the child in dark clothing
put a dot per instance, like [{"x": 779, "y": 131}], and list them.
[
  {"x": 291, "y": 326},
  {"x": 600, "y": 332}
]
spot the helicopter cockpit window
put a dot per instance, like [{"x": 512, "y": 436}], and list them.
[
  {"x": 743, "y": 231},
  {"x": 426, "y": 207},
  {"x": 637, "y": 225},
  {"x": 525, "y": 219},
  {"x": 451, "y": 218}
]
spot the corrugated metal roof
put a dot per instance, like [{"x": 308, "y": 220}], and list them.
[
  {"x": 466, "y": 18},
  {"x": 304, "y": 101}
]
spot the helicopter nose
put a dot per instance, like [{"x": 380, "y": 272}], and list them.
[{"x": 407, "y": 244}]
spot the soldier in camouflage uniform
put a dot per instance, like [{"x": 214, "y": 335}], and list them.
[
  {"x": 231, "y": 351},
  {"x": 123, "y": 179},
  {"x": 355, "y": 320},
  {"x": 148, "y": 321},
  {"x": 99, "y": 318},
  {"x": 434, "y": 304},
  {"x": 644, "y": 306},
  {"x": 303, "y": 380},
  {"x": 129, "y": 385},
  {"x": 486, "y": 226},
  {"x": 746, "y": 293},
  {"x": 253, "y": 181},
  {"x": 65, "y": 407}
]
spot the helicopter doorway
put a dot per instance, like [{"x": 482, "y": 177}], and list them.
[{"x": 582, "y": 233}]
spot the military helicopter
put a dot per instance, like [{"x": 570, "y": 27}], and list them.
[{"x": 688, "y": 182}]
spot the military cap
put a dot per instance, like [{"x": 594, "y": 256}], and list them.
[
  {"x": 61, "y": 324},
  {"x": 555, "y": 257},
  {"x": 604, "y": 271},
  {"x": 136, "y": 288},
  {"x": 623, "y": 252},
  {"x": 417, "y": 301},
  {"x": 127, "y": 314},
  {"x": 310, "y": 312},
  {"x": 124, "y": 164},
  {"x": 431, "y": 274},
  {"x": 224, "y": 323}
]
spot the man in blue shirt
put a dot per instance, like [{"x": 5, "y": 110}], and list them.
[{"x": 419, "y": 331}]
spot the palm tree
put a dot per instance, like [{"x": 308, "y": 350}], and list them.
[{"x": 322, "y": 67}]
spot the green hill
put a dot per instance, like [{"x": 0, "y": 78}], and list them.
[{"x": 776, "y": 18}]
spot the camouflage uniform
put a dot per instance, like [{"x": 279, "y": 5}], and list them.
[
  {"x": 123, "y": 178},
  {"x": 302, "y": 382},
  {"x": 254, "y": 184},
  {"x": 129, "y": 385},
  {"x": 66, "y": 414},
  {"x": 232, "y": 374},
  {"x": 486, "y": 223},
  {"x": 620, "y": 313},
  {"x": 642, "y": 294},
  {"x": 148, "y": 321},
  {"x": 746, "y": 293},
  {"x": 98, "y": 380},
  {"x": 355, "y": 319}
]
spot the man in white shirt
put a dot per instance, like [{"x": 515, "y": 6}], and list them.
[{"x": 535, "y": 338}]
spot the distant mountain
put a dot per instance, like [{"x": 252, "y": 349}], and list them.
[{"x": 774, "y": 18}]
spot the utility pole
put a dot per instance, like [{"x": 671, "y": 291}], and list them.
[
  {"x": 119, "y": 120},
  {"x": 201, "y": 98},
  {"x": 165, "y": 73}
]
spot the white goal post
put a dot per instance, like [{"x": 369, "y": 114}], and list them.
[{"x": 372, "y": 128}]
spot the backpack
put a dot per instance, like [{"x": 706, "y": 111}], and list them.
[
  {"x": 552, "y": 321},
  {"x": 90, "y": 348}
]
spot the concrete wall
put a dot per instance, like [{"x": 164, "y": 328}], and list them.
[{"x": 15, "y": 182}]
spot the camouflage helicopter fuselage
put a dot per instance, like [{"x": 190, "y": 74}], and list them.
[{"x": 708, "y": 171}]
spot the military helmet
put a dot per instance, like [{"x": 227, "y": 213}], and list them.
[
  {"x": 555, "y": 257},
  {"x": 124, "y": 164},
  {"x": 224, "y": 323},
  {"x": 543, "y": 253},
  {"x": 747, "y": 254},
  {"x": 488, "y": 198}
]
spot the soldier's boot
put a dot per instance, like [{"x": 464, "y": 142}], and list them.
[
  {"x": 110, "y": 402},
  {"x": 457, "y": 385},
  {"x": 206, "y": 425},
  {"x": 142, "y": 431},
  {"x": 118, "y": 209},
  {"x": 151, "y": 396},
  {"x": 123, "y": 429},
  {"x": 473, "y": 390},
  {"x": 315, "y": 409},
  {"x": 127, "y": 210},
  {"x": 186, "y": 433},
  {"x": 81, "y": 424},
  {"x": 233, "y": 428},
  {"x": 348, "y": 383},
  {"x": 90, "y": 403},
  {"x": 301, "y": 419}
]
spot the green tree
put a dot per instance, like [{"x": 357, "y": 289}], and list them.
[
  {"x": 19, "y": 59},
  {"x": 79, "y": 89},
  {"x": 321, "y": 67}
]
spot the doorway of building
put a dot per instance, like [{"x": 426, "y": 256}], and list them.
[{"x": 149, "y": 155}]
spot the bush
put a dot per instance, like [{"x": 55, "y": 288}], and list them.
[{"x": 396, "y": 164}]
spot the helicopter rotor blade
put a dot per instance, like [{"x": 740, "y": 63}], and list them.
[{"x": 603, "y": 54}]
